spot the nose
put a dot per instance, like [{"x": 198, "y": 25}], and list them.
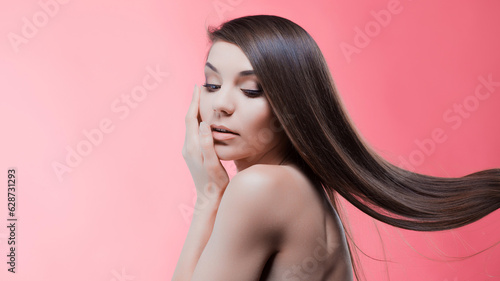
[{"x": 223, "y": 101}]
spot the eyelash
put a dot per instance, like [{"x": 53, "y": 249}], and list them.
[{"x": 250, "y": 93}]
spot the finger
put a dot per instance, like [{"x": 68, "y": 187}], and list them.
[
  {"x": 199, "y": 116},
  {"x": 207, "y": 145},
  {"x": 192, "y": 116},
  {"x": 198, "y": 93}
]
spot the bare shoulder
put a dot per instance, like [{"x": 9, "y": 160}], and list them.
[
  {"x": 279, "y": 192},
  {"x": 262, "y": 184},
  {"x": 262, "y": 174},
  {"x": 269, "y": 182},
  {"x": 286, "y": 202},
  {"x": 262, "y": 196}
]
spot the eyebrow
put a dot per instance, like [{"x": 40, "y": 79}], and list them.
[{"x": 242, "y": 73}]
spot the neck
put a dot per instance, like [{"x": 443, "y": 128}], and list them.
[{"x": 274, "y": 156}]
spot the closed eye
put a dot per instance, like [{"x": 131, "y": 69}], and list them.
[
  {"x": 211, "y": 87},
  {"x": 250, "y": 93}
]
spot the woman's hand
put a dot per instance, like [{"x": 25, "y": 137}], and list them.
[{"x": 210, "y": 177}]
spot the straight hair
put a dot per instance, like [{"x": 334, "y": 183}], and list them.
[{"x": 324, "y": 144}]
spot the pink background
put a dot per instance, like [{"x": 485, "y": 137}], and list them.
[{"x": 122, "y": 212}]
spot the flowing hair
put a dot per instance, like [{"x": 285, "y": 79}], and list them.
[{"x": 323, "y": 141}]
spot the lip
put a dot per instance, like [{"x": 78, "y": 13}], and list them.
[
  {"x": 222, "y": 136},
  {"x": 213, "y": 126}
]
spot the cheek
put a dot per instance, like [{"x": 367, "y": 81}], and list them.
[{"x": 259, "y": 119}]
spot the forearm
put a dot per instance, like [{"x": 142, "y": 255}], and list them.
[{"x": 199, "y": 232}]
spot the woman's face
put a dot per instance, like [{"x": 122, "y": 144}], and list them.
[{"x": 232, "y": 97}]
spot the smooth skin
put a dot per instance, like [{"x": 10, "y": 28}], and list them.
[
  {"x": 269, "y": 222},
  {"x": 231, "y": 98}
]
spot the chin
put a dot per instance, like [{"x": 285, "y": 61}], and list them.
[
  {"x": 224, "y": 153},
  {"x": 228, "y": 153}
]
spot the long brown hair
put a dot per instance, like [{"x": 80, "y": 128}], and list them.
[{"x": 324, "y": 143}]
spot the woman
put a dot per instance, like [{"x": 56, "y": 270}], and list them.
[{"x": 270, "y": 105}]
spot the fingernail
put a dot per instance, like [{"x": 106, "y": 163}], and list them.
[{"x": 204, "y": 128}]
